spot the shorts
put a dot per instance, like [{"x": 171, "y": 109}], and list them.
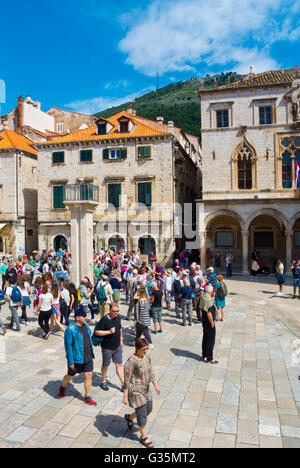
[
  {"x": 296, "y": 282},
  {"x": 157, "y": 314},
  {"x": 109, "y": 355},
  {"x": 56, "y": 309},
  {"x": 81, "y": 369},
  {"x": 143, "y": 412},
  {"x": 280, "y": 279}
]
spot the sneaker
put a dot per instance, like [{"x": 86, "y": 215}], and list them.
[
  {"x": 213, "y": 361},
  {"x": 89, "y": 401},
  {"x": 279, "y": 294},
  {"x": 47, "y": 335},
  {"x": 160, "y": 331},
  {"x": 61, "y": 392},
  {"x": 104, "y": 386},
  {"x": 26, "y": 324}
]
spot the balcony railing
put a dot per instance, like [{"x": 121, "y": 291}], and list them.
[{"x": 81, "y": 192}]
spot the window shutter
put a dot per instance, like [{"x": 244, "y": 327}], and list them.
[
  {"x": 148, "y": 194},
  {"x": 144, "y": 152},
  {"x": 58, "y": 157},
  {"x": 58, "y": 197},
  {"x": 114, "y": 193},
  {"x": 124, "y": 153},
  {"x": 86, "y": 156},
  {"x": 106, "y": 154}
]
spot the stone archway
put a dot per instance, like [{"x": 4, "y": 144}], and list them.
[
  {"x": 147, "y": 245},
  {"x": 223, "y": 234},
  {"x": 267, "y": 234},
  {"x": 60, "y": 242},
  {"x": 117, "y": 243}
]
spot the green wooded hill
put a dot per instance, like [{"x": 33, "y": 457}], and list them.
[{"x": 178, "y": 102}]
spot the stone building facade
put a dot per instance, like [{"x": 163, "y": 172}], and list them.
[
  {"x": 66, "y": 121},
  {"x": 28, "y": 119},
  {"x": 131, "y": 160},
  {"x": 250, "y": 146},
  {"x": 18, "y": 196}
]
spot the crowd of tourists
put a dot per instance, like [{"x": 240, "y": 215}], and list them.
[
  {"x": 42, "y": 282},
  {"x": 185, "y": 290}
]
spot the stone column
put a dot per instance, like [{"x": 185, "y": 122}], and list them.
[
  {"x": 288, "y": 256},
  {"x": 203, "y": 236},
  {"x": 245, "y": 239},
  {"x": 82, "y": 229}
]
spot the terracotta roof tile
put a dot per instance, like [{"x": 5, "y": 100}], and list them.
[
  {"x": 10, "y": 140},
  {"x": 89, "y": 134},
  {"x": 268, "y": 78}
]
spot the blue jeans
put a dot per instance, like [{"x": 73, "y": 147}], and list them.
[
  {"x": 187, "y": 309},
  {"x": 229, "y": 270},
  {"x": 14, "y": 317}
]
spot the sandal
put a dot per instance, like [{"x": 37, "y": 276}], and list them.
[
  {"x": 146, "y": 444},
  {"x": 129, "y": 421}
]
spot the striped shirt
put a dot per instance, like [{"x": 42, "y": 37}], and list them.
[
  {"x": 138, "y": 375},
  {"x": 143, "y": 313}
]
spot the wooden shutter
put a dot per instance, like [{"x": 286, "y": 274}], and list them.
[
  {"x": 148, "y": 194},
  {"x": 145, "y": 193},
  {"x": 58, "y": 157},
  {"x": 86, "y": 156},
  {"x": 144, "y": 152},
  {"x": 124, "y": 153},
  {"x": 58, "y": 197},
  {"x": 106, "y": 154},
  {"x": 114, "y": 193}
]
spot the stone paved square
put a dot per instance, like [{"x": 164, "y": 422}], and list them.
[{"x": 250, "y": 399}]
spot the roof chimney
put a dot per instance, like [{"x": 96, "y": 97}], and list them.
[
  {"x": 20, "y": 113},
  {"x": 132, "y": 109},
  {"x": 160, "y": 120},
  {"x": 171, "y": 127}
]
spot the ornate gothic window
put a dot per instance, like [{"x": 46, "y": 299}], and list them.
[
  {"x": 244, "y": 167},
  {"x": 289, "y": 155}
]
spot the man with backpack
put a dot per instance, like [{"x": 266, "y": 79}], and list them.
[
  {"x": 14, "y": 297},
  {"x": 108, "y": 334},
  {"x": 104, "y": 296},
  {"x": 80, "y": 355}
]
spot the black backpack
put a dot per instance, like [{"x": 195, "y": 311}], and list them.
[{"x": 177, "y": 286}]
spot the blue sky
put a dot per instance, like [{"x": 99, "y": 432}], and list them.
[{"x": 90, "y": 55}]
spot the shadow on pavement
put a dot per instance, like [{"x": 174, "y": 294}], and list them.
[
  {"x": 186, "y": 354},
  {"x": 114, "y": 426}
]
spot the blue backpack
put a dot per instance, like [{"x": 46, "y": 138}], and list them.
[
  {"x": 97, "y": 340},
  {"x": 16, "y": 295},
  {"x": 101, "y": 296},
  {"x": 2, "y": 298}
]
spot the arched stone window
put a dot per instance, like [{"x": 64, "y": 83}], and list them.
[
  {"x": 244, "y": 167},
  {"x": 289, "y": 156}
]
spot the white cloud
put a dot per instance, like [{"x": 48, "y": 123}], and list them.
[
  {"x": 177, "y": 35},
  {"x": 98, "y": 104}
]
